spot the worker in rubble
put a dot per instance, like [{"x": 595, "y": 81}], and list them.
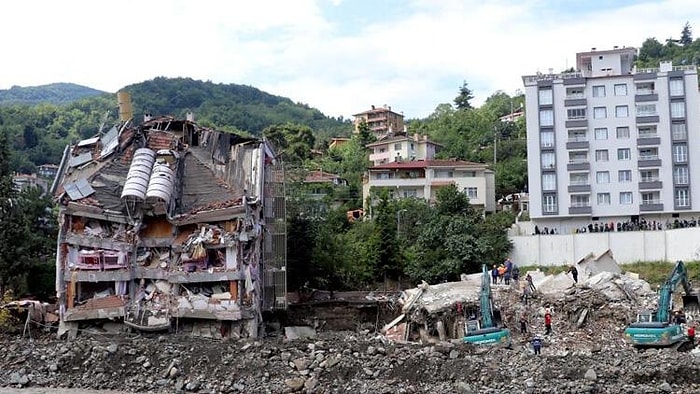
[
  {"x": 523, "y": 324},
  {"x": 531, "y": 285},
  {"x": 574, "y": 273},
  {"x": 547, "y": 322},
  {"x": 537, "y": 344},
  {"x": 501, "y": 273},
  {"x": 494, "y": 274},
  {"x": 691, "y": 335}
]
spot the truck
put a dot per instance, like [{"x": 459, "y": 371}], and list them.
[
  {"x": 485, "y": 330},
  {"x": 657, "y": 328}
]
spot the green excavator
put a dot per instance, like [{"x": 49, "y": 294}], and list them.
[
  {"x": 485, "y": 330},
  {"x": 658, "y": 328}
]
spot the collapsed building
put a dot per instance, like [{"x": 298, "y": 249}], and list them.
[{"x": 169, "y": 225}]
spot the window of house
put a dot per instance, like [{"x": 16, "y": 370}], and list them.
[
  {"x": 623, "y": 132},
  {"x": 602, "y": 177},
  {"x": 549, "y": 203},
  {"x": 576, "y": 113},
  {"x": 472, "y": 193},
  {"x": 676, "y": 87},
  {"x": 547, "y": 160},
  {"x": 646, "y": 109},
  {"x": 624, "y": 154},
  {"x": 443, "y": 174},
  {"x": 677, "y": 109},
  {"x": 578, "y": 178},
  {"x": 601, "y": 155},
  {"x": 408, "y": 193},
  {"x": 546, "y": 117},
  {"x": 599, "y": 91},
  {"x": 546, "y": 97},
  {"x": 603, "y": 198},
  {"x": 620, "y": 89},
  {"x": 624, "y": 176},
  {"x": 680, "y": 153},
  {"x": 679, "y": 131},
  {"x": 547, "y": 139},
  {"x": 600, "y": 113},
  {"x": 680, "y": 175},
  {"x": 383, "y": 175},
  {"x": 621, "y": 111},
  {"x": 549, "y": 181},
  {"x": 382, "y": 150},
  {"x": 625, "y": 198},
  {"x": 601, "y": 133},
  {"x": 397, "y": 146},
  {"x": 682, "y": 197},
  {"x": 580, "y": 200}
]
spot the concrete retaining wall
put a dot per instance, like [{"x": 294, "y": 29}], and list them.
[{"x": 626, "y": 247}]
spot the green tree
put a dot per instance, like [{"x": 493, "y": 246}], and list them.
[
  {"x": 686, "y": 35},
  {"x": 293, "y": 142},
  {"x": 462, "y": 101}
]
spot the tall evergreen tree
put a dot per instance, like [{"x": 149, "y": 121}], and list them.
[
  {"x": 462, "y": 101},
  {"x": 686, "y": 35}
]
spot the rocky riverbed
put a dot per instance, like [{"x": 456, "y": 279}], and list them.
[{"x": 335, "y": 362}]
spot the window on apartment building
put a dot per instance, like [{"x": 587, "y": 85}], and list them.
[
  {"x": 680, "y": 175},
  {"x": 677, "y": 109},
  {"x": 578, "y": 178},
  {"x": 408, "y": 193},
  {"x": 578, "y": 157},
  {"x": 443, "y": 174},
  {"x": 384, "y": 175},
  {"x": 600, "y": 113},
  {"x": 646, "y": 109},
  {"x": 549, "y": 181},
  {"x": 624, "y": 176},
  {"x": 622, "y": 132},
  {"x": 546, "y": 117},
  {"x": 622, "y": 111},
  {"x": 644, "y": 88},
  {"x": 602, "y": 177},
  {"x": 676, "y": 87},
  {"x": 577, "y": 135},
  {"x": 601, "y": 155},
  {"x": 620, "y": 89},
  {"x": 624, "y": 154},
  {"x": 580, "y": 200},
  {"x": 397, "y": 146},
  {"x": 599, "y": 91},
  {"x": 680, "y": 153},
  {"x": 547, "y": 160},
  {"x": 650, "y": 198},
  {"x": 648, "y": 175},
  {"x": 549, "y": 203},
  {"x": 682, "y": 197},
  {"x": 547, "y": 139},
  {"x": 576, "y": 113},
  {"x": 603, "y": 198},
  {"x": 471, "y": 193},
  {"x": 679, "y": 131},
  {"x": 625, "y": 198},
  {"x": 546, "y": 97},
  {"x": 601, "y": 133},
  {"x": 574, "y": 93},
  {"x": 382, "y": 150}
]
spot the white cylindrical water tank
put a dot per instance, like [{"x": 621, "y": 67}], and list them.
[
  {"x": 139, "y": 174},
  {"x": 160, "y": 187}
]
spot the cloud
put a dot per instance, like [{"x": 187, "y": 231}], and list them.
[{"x": 338, "y": 56}]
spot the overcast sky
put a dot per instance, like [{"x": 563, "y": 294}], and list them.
[{"x": 340, "y": 56}]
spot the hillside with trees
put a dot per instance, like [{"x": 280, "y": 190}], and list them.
[
  {"x": 55, "y": 93},
  {"x": 681, "y": 51}
]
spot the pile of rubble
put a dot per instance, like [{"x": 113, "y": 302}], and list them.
[{"x": 413, "y": 354}]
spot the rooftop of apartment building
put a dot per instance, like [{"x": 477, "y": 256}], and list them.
[
  {"x": 415, "y": 164},
  {"x": 376, "y": 110},
  {"x": 399, "y": 137}
]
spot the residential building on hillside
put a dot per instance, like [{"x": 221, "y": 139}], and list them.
[
  {"x": 322, "y": 188},
  {"x": 337, "y": 142},
  {"x": 402, "y": 148},
  {"x": 166, "y": 223},
  {"x": 380, "y": 120},
  {"x": 47, "y": 171},
  {"x": 422, "y": 179},
  {"x": 21, "y": 182},
  {"x": 612, "y": 143}
]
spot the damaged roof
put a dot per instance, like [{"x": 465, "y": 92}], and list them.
[{"x": 203, "y": 163}]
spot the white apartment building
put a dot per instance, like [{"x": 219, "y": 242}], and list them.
[
  {"x": 611, "y": 142},
  {"x": 402, "y": 148}
]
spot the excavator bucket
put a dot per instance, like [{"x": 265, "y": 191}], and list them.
[{"x": 691, "y": 304}]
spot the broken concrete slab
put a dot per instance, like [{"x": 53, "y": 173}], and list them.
[{"x": 299, "y": 332}]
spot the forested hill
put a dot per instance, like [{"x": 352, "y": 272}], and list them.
[
  {"x": 242, "y": 107},
  {"x": 55, "y": 93},
  {"x": 39, "y": 132},
  {"x": 683, "y": 50}
]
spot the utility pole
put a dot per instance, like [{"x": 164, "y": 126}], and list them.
[{"x": 495, "y": 140}]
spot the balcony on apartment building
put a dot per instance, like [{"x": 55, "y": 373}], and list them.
[
  {"x": 648, "y": 160},
  {"x": 580, "y": 207},
  {"x": 570, "y": 78},
  {"x": 577, "y": 142},
  {"x": 578, "y": 164},
  {"x": 398, "y": 179},
  {"x": 575, "y": 99},
  {"x": 651, "y": 205},
  {"x": 648, "y": 137},
  {"x": 647, "y": 114},
  {"x": 378, "y": 157},
  {"x": 579, "y": 186},
  {"x": 650, "y": 183},
  {"x": 576, "y": 118}
]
